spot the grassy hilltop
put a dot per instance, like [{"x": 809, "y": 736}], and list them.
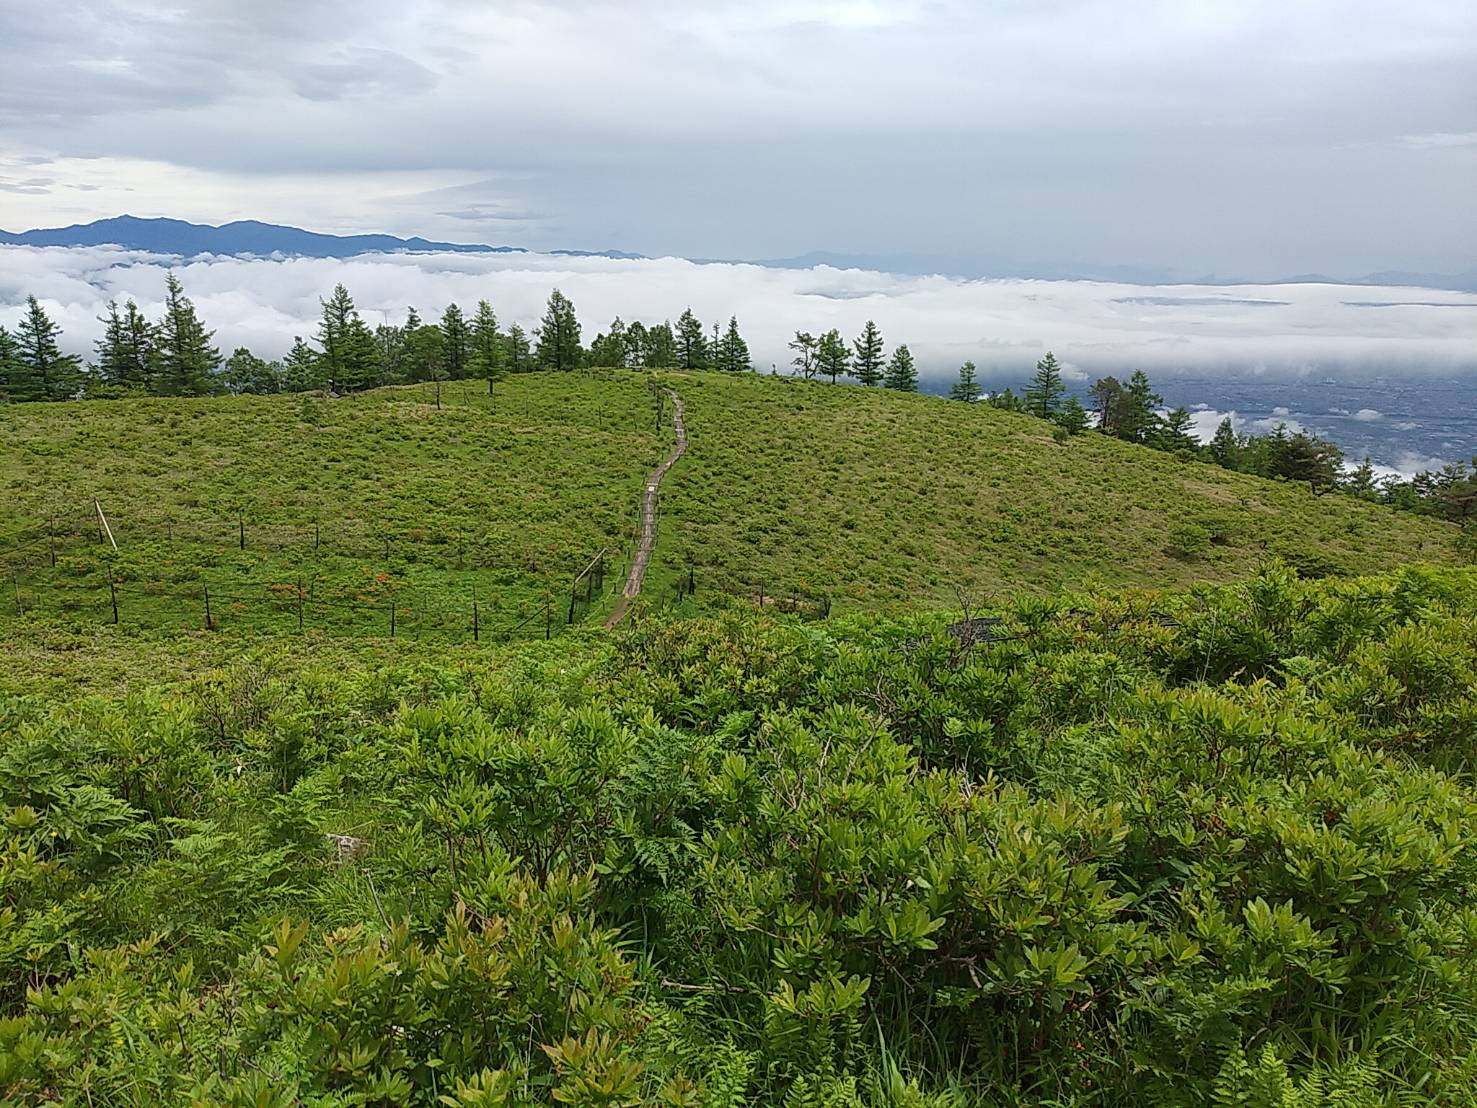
[
  {"x": 866, "y": 497},
  {"x": 879, "y": 498}
]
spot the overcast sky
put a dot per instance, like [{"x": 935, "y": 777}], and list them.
[{"x": 1237, "y": 137}]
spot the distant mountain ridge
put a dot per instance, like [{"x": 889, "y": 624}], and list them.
[
  {"x": 249, "y": 236},
  {"x": 243, "y": 237}
]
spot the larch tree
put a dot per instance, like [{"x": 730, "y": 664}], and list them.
[
  {"x": 558, "y": 335},
  {"x": 804, "y": 360},
  {"x": 9, "y": 363},
  {"x": 302, "y": 369},
  {"x": 733, "y": 351},
  {"x": 832, "y": 356},
  {"x": 185, "y": 362},
  {"x": 901, "y": 374},
  {"x": 520, "y": 356},
  {"x": 967, "y": 387},
  {"x": 1225, "y": 448},
  {"x": 125, "y": 351},
  {"x": 456, "y": 337},
  {"x": 867, "y": 365},
  {"x": 350, "y": 359},
  {"x": 692, "y": 343},
  {"x": 1072, "y": 417},
  {"x": 40, "y": 370},
  {"x": 1044, "y": 394},
  {"x": 487, "y": 345}
]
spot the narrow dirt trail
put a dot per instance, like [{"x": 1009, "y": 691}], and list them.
[{"x": 642, "y": 557}]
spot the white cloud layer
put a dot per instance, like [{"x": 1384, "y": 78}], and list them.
[{"x": 1003, "y": 326}]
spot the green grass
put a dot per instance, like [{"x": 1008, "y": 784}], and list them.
[
  {"x": 884, "y": 500},
  {"x": 869, "y": 498},
  {"x": 360, "y": 499}
]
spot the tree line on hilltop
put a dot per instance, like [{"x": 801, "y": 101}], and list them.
[{"x": 175, "y": 355}]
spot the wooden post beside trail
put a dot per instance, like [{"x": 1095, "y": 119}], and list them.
[
  {"x": 241, "y": 530},
  {"x": 315, "y": 534},
  {"x": 113, "y": 592},
  {"x": 573, "y": 594},
  {"x": 476, "y": 630},
  {"x": 209, "y": 626}
]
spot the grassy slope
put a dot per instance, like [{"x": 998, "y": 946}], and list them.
[
  {"x": 511, "y": 496},
  {"x": 870, "y": 497},
  {"x": 879, "y": 499}
]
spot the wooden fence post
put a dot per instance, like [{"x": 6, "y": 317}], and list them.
[
  {"x": 209, "y": 626},
  {"x": 241, "y": 530},
  {"x": 113, "y": 592}
]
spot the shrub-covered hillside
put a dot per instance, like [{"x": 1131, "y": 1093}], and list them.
[
  {"x": 1215, "y": 847},
  {"x": 873, "y": 497}
]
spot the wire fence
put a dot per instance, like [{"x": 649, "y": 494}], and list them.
[{"x": 94, "y": 568}]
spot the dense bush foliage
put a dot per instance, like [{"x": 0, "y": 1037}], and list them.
[{"x": 1217, "y": 847}]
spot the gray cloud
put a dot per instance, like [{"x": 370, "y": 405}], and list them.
[{"x": 1250, "y": 137}]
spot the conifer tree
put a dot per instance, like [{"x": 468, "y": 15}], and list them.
[
  {"x": 610, "y": 349},
  {"x": 125, "y": 351},
  {"x": 184, "y": 360},
  {"x": 520, "y": 356},
  {"x": 902, "y": 374},
  {"x": 1044, "y": 395},
  {"x": 804, "y": 360},
  {"x": 1140, "y": 421},
  {"x": 661, "y": 347},
  {"x": 302, "y": 368},
  {"x": 832, "y": 356},
  {"x": 692, "y": 343},
  {"x": 1072, "y": 417},
  {"x": 1224, "y": 447},
  {"x": 966, "y": 388},
  {"x": 486, "y": 357},
  {"x": 1175, "y": 431},
  {"x": 456, "y": 337},
  {"x": 558, "y": 335},
  {"x": 733, "y": 351},
  {"x": 9, "y": 363},
  {"x": 867, "y": 366},
  {"x": 350, "y": 359},
  {"x": 41, "y": 371}
]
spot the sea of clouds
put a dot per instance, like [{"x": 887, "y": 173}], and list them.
[{"x": 1002, "y": 325}]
